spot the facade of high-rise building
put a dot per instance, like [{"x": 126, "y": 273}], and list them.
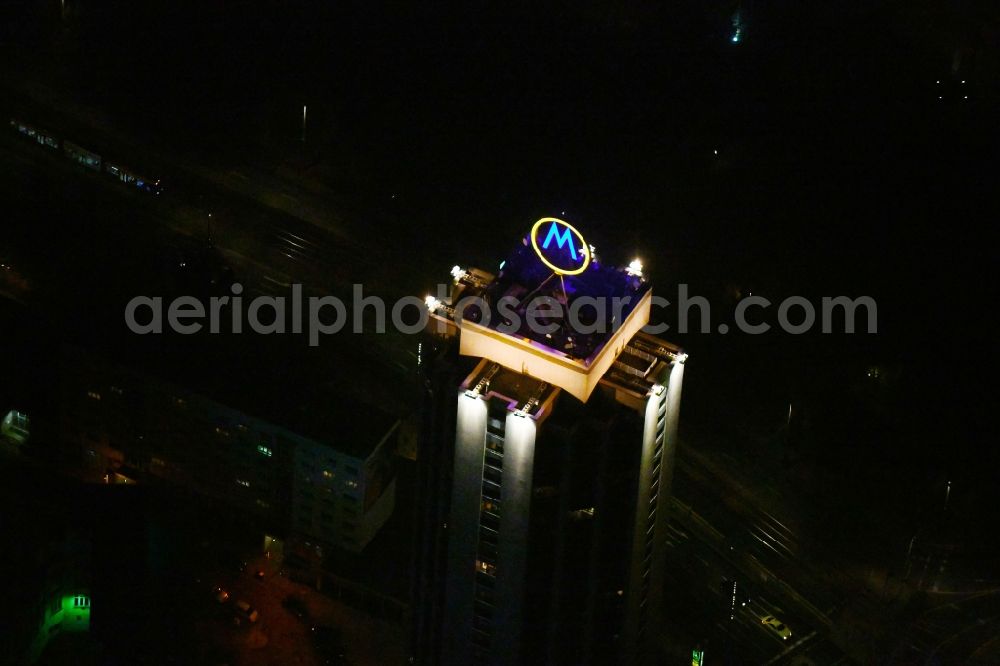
[
  {"x": 546, "y": 462},
  {"x": 327, "y": 480}
]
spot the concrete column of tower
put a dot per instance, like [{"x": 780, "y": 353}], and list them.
[
  {"x": 470, "y": 439},
  {"x": 518, "y": 466},
  {"x": 645, "y": 590},
  {"x": 666, "y": 477}
]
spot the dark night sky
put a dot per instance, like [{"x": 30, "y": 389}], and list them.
[{"x": 832, "y": 150}]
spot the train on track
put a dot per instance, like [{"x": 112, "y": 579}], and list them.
[{"x": 87, "y": 158}]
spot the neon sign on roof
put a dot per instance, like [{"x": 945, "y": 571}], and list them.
[{"x": 560, "y": 246}]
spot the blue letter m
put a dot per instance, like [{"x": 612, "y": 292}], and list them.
[{"x": 565, "y": 239}]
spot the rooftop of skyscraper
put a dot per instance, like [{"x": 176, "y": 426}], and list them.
[
  {"x": 524, "y": 278},
  {"x": 558, "y": 313}
]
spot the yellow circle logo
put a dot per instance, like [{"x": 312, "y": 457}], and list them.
[{"x": 560, "y": 246}]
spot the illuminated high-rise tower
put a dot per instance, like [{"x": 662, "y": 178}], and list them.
[{"x": 546, "y": 470}]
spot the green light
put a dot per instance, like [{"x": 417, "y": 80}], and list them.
[
  {"x": 66, "y": 613},
  {"x": 16, "y": 427},
  {"x": 74, "y": 614},
  {"x": 264, "y": 451},
  {"x": 697, "y": 657}
]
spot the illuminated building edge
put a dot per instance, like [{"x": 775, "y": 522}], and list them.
[{"x": 578, "y": 378}]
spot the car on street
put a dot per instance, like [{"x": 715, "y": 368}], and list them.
[
  {"x": 245, "y": 611},
  {"x": 777, "y": 627}
]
